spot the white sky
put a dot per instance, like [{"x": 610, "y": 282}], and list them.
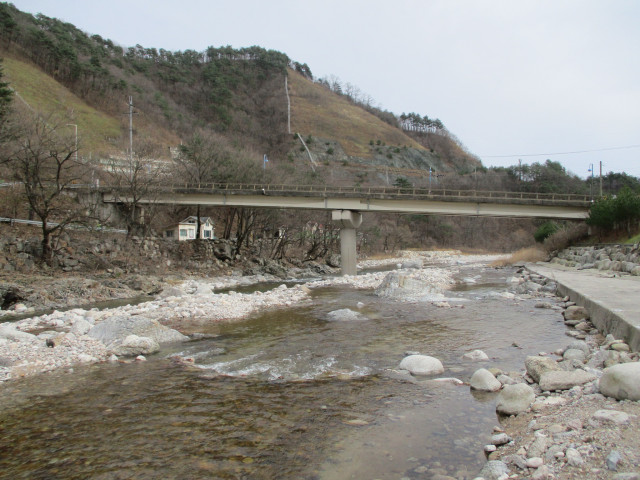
[{"x": 509, "y": 78}]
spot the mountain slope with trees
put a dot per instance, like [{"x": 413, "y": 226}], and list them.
[{"x": 239, "y": 93}]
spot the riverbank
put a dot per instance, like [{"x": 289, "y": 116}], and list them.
[
  {"x": 578, "y": 441},
  {"x": 581, "y": 420}
]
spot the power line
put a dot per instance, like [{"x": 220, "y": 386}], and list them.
[{"x": 560, "y": 153}]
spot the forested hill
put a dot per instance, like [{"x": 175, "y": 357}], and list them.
[{"x": 238, "y": 93}]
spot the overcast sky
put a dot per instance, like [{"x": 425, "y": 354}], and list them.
[{"x": 511, "y": 79}]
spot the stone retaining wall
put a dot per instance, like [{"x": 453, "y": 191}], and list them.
[
  {"x": 76, "y": 254},
  {"x": 615, "y": 258}
]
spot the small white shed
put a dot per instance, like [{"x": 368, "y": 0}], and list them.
[{"x": 186, "y": 229}]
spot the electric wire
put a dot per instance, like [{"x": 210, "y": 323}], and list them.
[{"x": 560, "y": 153}]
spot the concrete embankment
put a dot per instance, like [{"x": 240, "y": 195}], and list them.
[{"x": 612, "y": 299}]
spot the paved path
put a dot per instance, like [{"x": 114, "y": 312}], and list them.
[{"x": 613, "y": 300}]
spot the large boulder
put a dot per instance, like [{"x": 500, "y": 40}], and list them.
[
  {"x": 422, "y": 365},
  {"x": 621, "y": 381},
  {"x": 413, "y": 263},
  {"x": 171, "y": 291},
  {"x": 399, "y": 285},
  {"x": 10, "y": 332},
  {"x": 515, "y": 399},
  {"x": 133, "y": 345},
  {"x": 564, "y": 380},
  {"x": 80, "y": 327},
  {"x": 484, "y": 381},
  {"x": 117, "y": 328},
  {"x": 537, "y": 365}
]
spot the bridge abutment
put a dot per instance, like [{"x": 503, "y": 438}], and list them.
[{"x": 348, "y": 220}]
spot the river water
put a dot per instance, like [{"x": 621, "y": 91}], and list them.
[{"x": 284, "y": 394}]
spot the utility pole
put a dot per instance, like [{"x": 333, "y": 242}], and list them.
[
  {"x": 520, "y": 168},
  {"x": 601, "y": 178},
  {"x": 131, "y": 128},
  {"x": 286, "y": 89},
  {"x": 76, "y": 127}
]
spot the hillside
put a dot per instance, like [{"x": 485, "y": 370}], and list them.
[
  {"x": 317, "y": 111},
  {"x": 237, "y": 93},
  {"x": 99, "y": 132}
]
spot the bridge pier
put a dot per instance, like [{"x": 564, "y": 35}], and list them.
[{"x": 348, "y": 220}]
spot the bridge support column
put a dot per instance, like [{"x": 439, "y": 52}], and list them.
[{"x": 348, "y": 220}]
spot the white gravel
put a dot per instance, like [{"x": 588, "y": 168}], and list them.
[{"x": 192, "y": 302}]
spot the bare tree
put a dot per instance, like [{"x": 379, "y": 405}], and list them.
[
  {"x": 198, "y": 164},
  {"x": 136, "y": 182},
  {"x": 43, "y": 159}
]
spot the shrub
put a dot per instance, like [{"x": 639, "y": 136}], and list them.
[
  {"x": 565, "y": 237},
  {"x": 544, "y": 231}
]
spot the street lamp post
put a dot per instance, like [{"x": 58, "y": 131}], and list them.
[{"x": 591, "y": 182}]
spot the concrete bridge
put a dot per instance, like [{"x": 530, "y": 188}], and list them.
[{"x": 348, "y": 203}]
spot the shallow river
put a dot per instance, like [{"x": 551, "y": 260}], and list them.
[{"x": 285, "y": 394}]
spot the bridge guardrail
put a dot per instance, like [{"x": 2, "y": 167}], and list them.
[{"x": 393, "y": 192}]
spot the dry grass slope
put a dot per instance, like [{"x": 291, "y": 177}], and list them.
[
  {"x": 98, "y": 131},
  {"x": 319, "y": 112},
  {"x": 42, "y": 93}
]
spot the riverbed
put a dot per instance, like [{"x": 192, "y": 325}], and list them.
[{"x": 288, "y": 392}]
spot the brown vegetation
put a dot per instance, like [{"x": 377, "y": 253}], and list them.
[
  {"x": 524, "y": 255},
  {"x": 319, "y": 112}
]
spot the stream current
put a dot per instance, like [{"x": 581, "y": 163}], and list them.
[{"x": 284, "y": 394}]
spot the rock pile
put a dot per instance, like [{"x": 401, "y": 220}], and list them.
[
  {"x": 616, "y": 258},
  {"x": 567, "y": 407}
]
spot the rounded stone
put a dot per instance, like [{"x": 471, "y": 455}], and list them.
[
  {"x": 611, "y": 416},
  {"x": 621, "y": 381},
  {"x": 534, "y": 462},
  {"x": 515, "y": 399},
  {"x": 576, "y": 313},
  {"x": 422, "y": 365},
  {"x": 484, "y": 381},
  {"x": 493, "y": 470},
  {"x": 579, "y": 345},
  {"x": 537, "y": 365},
  {"x": 574, "y": 354},
  {"x": 476, "y": 356},
  {"x": 500, "y": 439}
]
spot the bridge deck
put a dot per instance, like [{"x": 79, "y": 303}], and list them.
[{"x": 373, "y": 199}]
